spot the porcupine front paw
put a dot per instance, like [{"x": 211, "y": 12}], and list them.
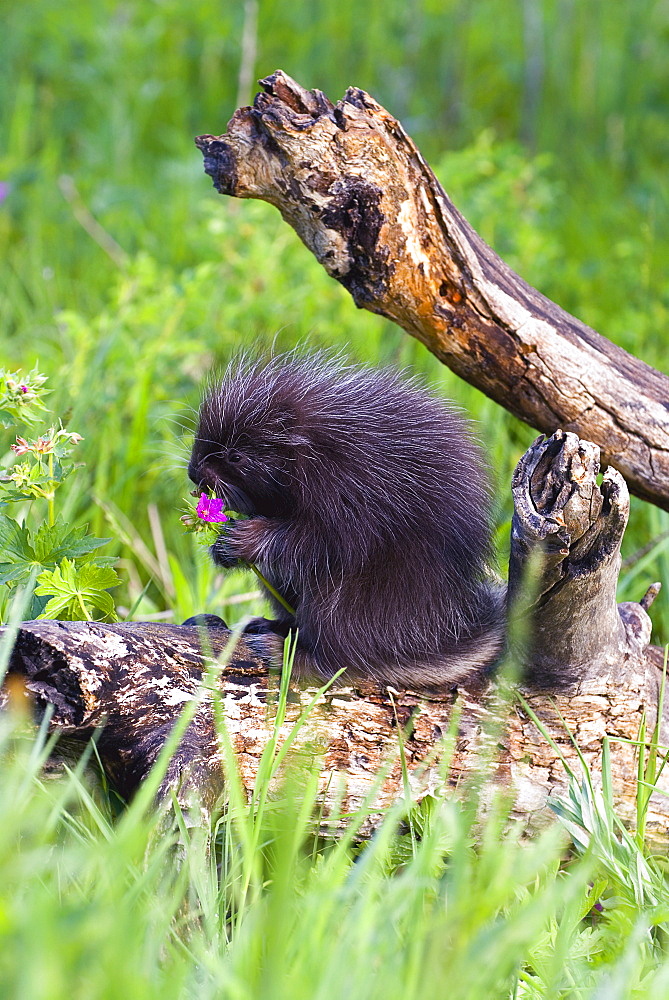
[
  {"x": 268, "y": 626},
  {"x": 241, "y": 541},
  {"x": 226, "y": 549}
]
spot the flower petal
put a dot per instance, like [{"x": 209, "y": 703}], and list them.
[{"x": 211, "y": 509}]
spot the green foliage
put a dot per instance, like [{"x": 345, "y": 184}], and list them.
[
  {"x": 48, "y": 545},
  {"x": 21, "y": 397},
  {"x": 126, "y": 278},
  {"x": 72, "y": 591},
  {"x": 97, "y": 902},
  {"x": 77, "y": 593}
]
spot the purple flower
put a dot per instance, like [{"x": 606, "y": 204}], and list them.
[
  {"x": 23, "y": 388},
  {"x": 210, "y": 509},
  {"x": 5, "y": 188}
]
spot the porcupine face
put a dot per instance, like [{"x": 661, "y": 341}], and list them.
[{"x": 245, "y": 462}]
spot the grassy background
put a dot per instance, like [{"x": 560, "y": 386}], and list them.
[
  {"x": 545, "y": 119},
  {"x": 547, "y": 122},
  {"x": 96, "y": 906}
]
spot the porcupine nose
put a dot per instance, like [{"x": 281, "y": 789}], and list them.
[{"x": 202, "y": 475}]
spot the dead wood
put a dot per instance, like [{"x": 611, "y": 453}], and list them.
[
  {"x": 589, "y": 672},
  {"x": 359, "y": 194},
  {"x": 361, "y": 197}
]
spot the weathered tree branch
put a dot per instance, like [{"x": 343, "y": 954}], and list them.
[
  {"x": 589, "y": 668},
  {"x": 576, "y": 527},
  {"x": 361, "y": 197},
  {"x": 364, "y": 201}
]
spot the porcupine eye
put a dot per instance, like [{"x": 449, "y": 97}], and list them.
[{"x": 234, "y": 457}]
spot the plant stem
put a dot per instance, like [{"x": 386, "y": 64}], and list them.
[
  {"x": 50, "y": 501},
  {"x": 85, "y": 613},
  {"x": 275, "y": 593}
]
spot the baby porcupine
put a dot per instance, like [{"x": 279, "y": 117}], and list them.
[{"x": 368, "y": 511}]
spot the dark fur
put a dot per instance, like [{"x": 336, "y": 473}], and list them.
[{"x": 369, "y": 513}]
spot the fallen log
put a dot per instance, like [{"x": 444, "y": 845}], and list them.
[
  {"x": 589, "y": 672},
  {"x": 359, "y": 194}
]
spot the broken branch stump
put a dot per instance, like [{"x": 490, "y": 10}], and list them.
[
  {"x": 357, "y": 191},
  {"x": 589, "y": 672}
]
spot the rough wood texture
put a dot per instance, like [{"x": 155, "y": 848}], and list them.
[
  {"x": 577, "y": 629},
  {"x": 589, "y": 665},
  {"x": 364, "y": 201}
]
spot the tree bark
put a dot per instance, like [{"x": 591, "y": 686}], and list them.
[
  {"x": 576, "y": 528},
  {"x": 357, "y": 191},
  {"x": 588, "y": 673}
]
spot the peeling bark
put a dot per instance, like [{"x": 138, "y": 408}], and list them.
[
  {"x": 577, "y": 528},
  {"x": 589, "y": 671},
  {"x": 359, "y": 194},
  {"x": 356, "y": 189}
]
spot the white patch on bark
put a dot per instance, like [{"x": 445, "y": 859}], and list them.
[{"x": 407, "y": 223}]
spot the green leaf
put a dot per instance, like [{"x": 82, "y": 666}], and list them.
[
  {"x": 15, "y": 572},
  {"x": 7, "y": 419},
  {"x": 58, "y": 541},
  {"x": 78, "y": 593},
  {"x": 15, "y": 496},
  {"x": 37, "y": 606},
  {"x": 49, "y": 539},
  {"x": 100, "y": 560},
  {"x": 15, "y": 541}
]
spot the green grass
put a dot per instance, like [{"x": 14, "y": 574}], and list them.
[
  {"x": 554, "y": 151},
  {"x": 546, "y": 121},
  {"x": 446, "y": 898}
]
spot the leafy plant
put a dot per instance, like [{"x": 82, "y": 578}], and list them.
[{"x": 71, "y": 583}]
